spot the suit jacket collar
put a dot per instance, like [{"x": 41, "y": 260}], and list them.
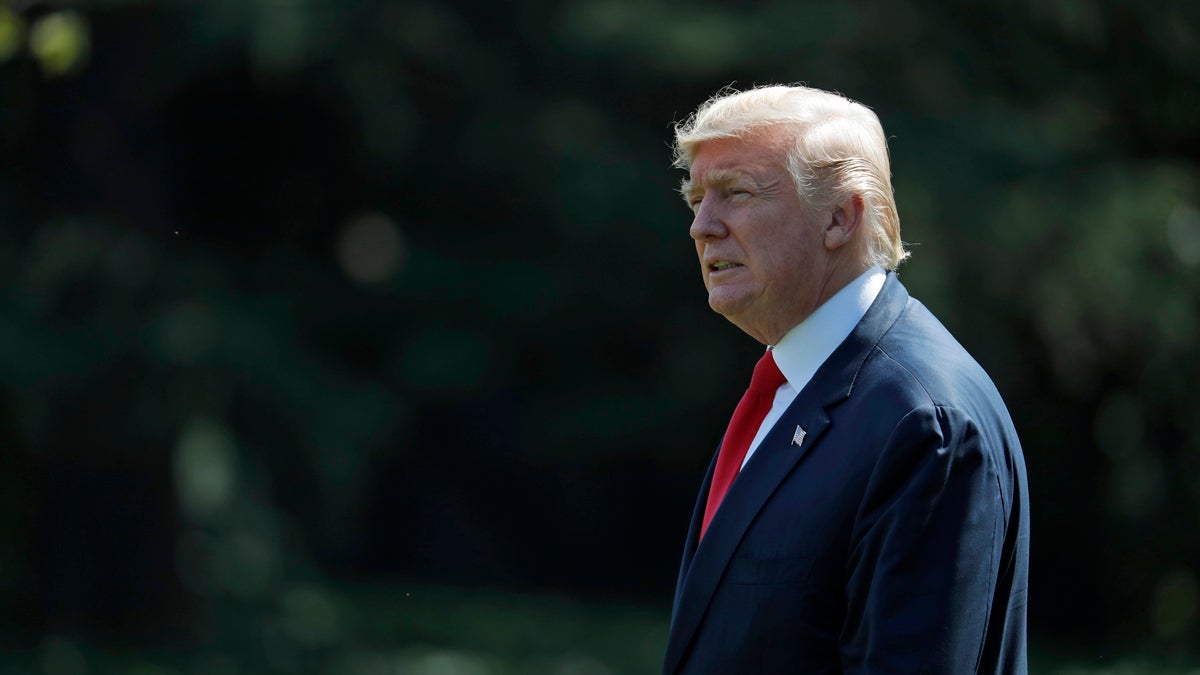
[{"x": 704, "y": 564}]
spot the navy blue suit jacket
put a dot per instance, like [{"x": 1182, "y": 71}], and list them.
[{"x": 893, "y": 539}]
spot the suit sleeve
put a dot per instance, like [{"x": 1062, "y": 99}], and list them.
[{"x": 925, "y": 548}]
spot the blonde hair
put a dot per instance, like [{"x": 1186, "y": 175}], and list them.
[{"x": 836, "y": 149}]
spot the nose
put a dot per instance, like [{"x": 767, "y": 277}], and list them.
[{"x": 707, "y": 224}]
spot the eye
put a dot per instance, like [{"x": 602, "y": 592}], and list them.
[
  {"x": 694, "y": 202},
  {"x": 739, "y": 194}
]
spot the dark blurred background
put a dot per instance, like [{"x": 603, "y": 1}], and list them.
[{"x": 367, "y": 337}]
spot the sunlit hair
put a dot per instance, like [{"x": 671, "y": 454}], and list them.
[{"x": 837, "y": 149}]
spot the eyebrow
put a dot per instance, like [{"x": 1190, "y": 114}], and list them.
[
  {"x": 686, "y": 189},
  {"x": 717, "y": 178}
]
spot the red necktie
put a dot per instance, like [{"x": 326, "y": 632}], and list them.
[{"x": 747, "y": 418}]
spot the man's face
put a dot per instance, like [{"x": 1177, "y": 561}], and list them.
[{"x": 761, "y": 251}]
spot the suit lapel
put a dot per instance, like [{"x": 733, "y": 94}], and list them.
[
  {"x": 750, "y": 490},
  {"x": 704, "y": 565}
]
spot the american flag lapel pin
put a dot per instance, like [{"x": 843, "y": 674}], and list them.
[{"x": 798, "y": 437}]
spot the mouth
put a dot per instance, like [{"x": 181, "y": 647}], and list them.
[{"x": 722, "y": 265}]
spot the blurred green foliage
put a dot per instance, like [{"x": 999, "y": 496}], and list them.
[
  {"x": 351, "y": 630},
  {"x": 302, "y": 298}
]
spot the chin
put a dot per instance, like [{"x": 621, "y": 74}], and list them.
[{"x": 726, "y": 306}]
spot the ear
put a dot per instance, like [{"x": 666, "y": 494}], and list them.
[{"x": 843, "y": 225}]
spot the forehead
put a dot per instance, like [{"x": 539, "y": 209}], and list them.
[{"x": 724, "y": 160}]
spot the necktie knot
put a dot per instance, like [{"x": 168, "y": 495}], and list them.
[{"x": 767, "y": 376}]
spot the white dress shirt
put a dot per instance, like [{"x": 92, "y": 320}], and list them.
[{"x": 804, "y": 348}]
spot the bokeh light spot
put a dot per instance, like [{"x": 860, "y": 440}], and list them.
[
  {"x": 205, "y": 469},
  {"x": 370, "y": 248},
  {"x": 12, "y": 30},
  {"x": 61, "y": 42}
]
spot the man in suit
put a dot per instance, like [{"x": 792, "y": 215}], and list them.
[{"x": 867, "y": 510}]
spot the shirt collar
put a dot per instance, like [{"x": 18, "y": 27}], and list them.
[{"x": 804, "y": 348}]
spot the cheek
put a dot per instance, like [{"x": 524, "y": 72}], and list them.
[{"x": 789, "y": 266}]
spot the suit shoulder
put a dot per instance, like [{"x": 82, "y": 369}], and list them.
[{"x": 919, "y": 363}]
